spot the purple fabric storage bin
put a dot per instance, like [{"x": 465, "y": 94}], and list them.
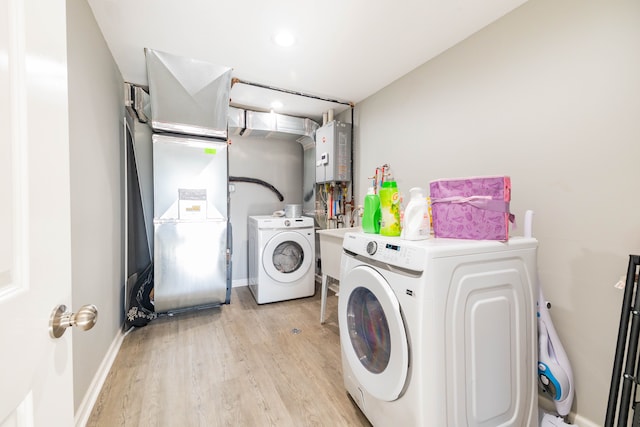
[{"x": 471, "y": 208}]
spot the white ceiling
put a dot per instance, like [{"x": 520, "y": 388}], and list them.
[{"x": 344, "y": 50}]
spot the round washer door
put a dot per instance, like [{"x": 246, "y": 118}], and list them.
[
  {"x": 287, "y": 256},
  {"x": 372, "y": 333}
]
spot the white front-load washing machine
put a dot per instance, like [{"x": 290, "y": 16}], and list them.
[
  {"x": 281, "y": 258},
  {"x": 440, "y": 332}
]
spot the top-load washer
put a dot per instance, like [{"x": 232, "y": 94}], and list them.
[
  {"x": 281, "y": 258},
  {"x": 440, "y": 332}
]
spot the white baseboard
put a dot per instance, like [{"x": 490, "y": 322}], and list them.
[
  {"x": 583, "y": 422},
  {"x": 576, "y": 419},
  {"x": 84, "y": 411},
  {"x": 239, "y": 282}
]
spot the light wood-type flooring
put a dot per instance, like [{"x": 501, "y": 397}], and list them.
[{"x": 241, "y": 364}]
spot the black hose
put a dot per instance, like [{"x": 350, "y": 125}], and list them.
[
  {"x": 259, "y": 182},
  {"x": 309, "y": 194}
]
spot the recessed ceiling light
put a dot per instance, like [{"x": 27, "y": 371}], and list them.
[
  {"x": 276, "y": 105},
  {"x": 284, "y": 39}
]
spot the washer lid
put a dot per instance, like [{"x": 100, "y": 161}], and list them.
[
  {"x": 287, "y": 256},
  {"x": 372, "y": 333}
]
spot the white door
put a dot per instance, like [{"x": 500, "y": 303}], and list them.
[
  {"x": 372, "y": 333},
  {"x": 287, "y": 257},
  {"x": 36, "y": 386}
]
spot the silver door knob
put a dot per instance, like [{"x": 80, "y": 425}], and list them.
[{"x": 61, "y": 319}]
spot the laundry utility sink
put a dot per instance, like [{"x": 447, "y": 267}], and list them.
[
  {"x": 330, "y": 253},
  {"x": 331, "y": 249}
]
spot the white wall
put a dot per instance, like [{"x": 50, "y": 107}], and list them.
[
  {"x": 549, "y": 95},
  {"x": 276, "y": 161},
  {"x": 95, "y": 128}
]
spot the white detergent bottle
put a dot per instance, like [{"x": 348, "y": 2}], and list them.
[{"x": 416, "y": 217}]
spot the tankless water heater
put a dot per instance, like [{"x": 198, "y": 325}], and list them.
[{"x": 333, "y": 152}]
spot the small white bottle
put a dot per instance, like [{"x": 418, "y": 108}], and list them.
[{"x": 416, "y": 217}]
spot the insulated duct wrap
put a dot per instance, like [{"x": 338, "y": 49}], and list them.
[
  {"x": 273, "y": 125},
  {"x": 188, "y": 96}
]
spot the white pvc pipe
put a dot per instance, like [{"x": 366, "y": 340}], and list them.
[{"x": 528, "y": 223}]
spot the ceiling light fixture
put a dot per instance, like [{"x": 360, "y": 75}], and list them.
[
  {"x": 284, "y": 39},
  {"x": 276, "y": 105}
]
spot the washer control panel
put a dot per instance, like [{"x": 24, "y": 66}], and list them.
[
  {"x": 389, "y": 250},
  {"x": 270, "y": 222}
]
